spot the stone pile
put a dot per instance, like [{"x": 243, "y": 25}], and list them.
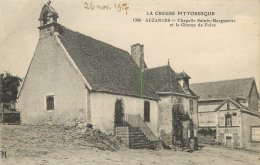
[
  {"x": 53, "y": 136},
  {"x": 102, "y": 140}
]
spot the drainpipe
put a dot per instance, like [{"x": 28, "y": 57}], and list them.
[
  {"x": 217, "y": 125},
  {"x": 240, "y": 125}
]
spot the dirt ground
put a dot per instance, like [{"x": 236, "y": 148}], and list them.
[{"x": 27, "y": 145}]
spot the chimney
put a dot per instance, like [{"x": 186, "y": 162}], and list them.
[
  {"x": 48, "y": 21},
  {"x": 137, "y": 53}
]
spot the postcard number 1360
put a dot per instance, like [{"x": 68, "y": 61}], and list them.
[{"x": 137, "y": 20}]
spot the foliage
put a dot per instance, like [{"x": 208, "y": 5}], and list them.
[
  {"x": 178, "y": 112},
  {"x": 9, "y": 87},
  {"x": 178, "y": 117},
  {"x": 207, "y": 132}
]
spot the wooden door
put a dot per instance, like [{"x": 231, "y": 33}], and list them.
[{"x": 229, "y": 142}]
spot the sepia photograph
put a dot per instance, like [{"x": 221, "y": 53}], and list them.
[{"x": 121, "y": 82}]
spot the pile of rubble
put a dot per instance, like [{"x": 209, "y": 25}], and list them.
[
  {"x": 54, "y": 136},
  {"x": 102, "y": 140}
]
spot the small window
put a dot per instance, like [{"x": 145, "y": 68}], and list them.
[
  {"x": 147, "y": 111},
  {"x": 255, "y": 134},
  {"x": 191, "y": 105},
  {"x": 228, "y": 120},
  {"x": 234, "y": 114},
  {"x": 50, "y": 102}
]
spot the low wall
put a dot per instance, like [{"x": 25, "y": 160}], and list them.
[
  {"x": 11, "y": 117},
  {"x": 123, "y": 134}
]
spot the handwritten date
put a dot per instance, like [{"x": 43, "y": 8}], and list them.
[{"x": 120, "y": 7}]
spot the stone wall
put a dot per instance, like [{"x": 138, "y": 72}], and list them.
[
  {"x": 235, "y": 115},
  {"x": 240, "y": 131},
  {"x": 123, "y": 134},
  {"x": 249, "y": 120},
  {"x": 231, "y": 131},
  {"x": 207, "y": 119},
  {"x": 234, "y": 132},
  {"x": 52, "y": 73},
  {"x": 103, "y": 110},
  {"x": 165, "y": 114}
]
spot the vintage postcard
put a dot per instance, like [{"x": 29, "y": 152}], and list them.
[{"x": 130, "y": 82}]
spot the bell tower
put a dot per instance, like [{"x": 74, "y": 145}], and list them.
[{"x": 48, "y": 21}]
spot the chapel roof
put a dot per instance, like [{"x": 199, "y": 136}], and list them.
[
  {"x": 105, "y": 67},
  {"x": 162, "y": 79}
]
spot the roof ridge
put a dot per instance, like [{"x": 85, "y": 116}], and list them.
[
  {"x": 94, "y": 39},
  {"x": 156, "y": 67},
  {"x": 223, "y": 80}
]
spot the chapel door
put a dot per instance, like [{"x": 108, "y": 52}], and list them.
[{"x": 119, "y": 113}]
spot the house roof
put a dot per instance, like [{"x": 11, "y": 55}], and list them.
[
  {"x": 239, "y": 106},
  {"x": 161, "y": 79},
  {"x": 238, "y": 88},
  {"x": 105, "y": 67}
]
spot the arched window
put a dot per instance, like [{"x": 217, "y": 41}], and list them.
[{"x": 147, "y": 111}]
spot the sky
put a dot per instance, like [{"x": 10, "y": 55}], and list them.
[{"x": 227, "y": 51}]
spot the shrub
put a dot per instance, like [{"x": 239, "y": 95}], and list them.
[{"x": 207, "y": 132}]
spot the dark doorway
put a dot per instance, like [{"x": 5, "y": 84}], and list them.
[
  {"x": 119, "y": 113},
  {"x": 147, "y": 111}
]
